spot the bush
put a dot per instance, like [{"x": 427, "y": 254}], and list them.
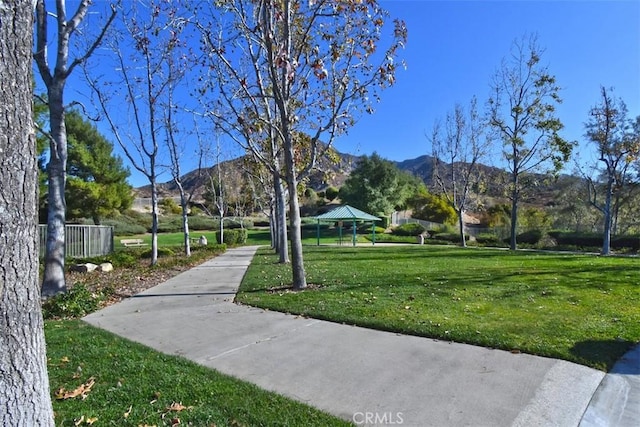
[
  {"x": 121, "y": 227},
  {"x": 410, "y": 229},
  {"x": 203, "y": 223},
  {"x": 169, "y": 206},
  {"x": 579, "y": 240},
  {"x": 78, "y": 301},
  {"x": 531, "y": 237},
  {"x": 331, "y": 193},
  {"x": 626, "y": 242},
  {"x": 233, "y": 237},
  {"x": 487, "y": 239},
  {"x": 162, "y": 252},
  {"x": 119, "y": 258},
  {"x": 261, "y": 222},
  {"x": 449, "y": 237}
]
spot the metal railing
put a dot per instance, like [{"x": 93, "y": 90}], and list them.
[
  {"x": 82, "y": 241},
  {"x": 426, "y": 224}
]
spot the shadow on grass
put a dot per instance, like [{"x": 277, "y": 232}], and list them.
[{"x": 604, "y": 353}]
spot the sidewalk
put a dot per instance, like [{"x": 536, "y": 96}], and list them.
[{"x": 365, "y": 376}]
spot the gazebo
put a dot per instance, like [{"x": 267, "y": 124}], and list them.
[{"x": 347, "y": 213}]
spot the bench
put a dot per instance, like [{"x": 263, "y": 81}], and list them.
[{"x": 127, "y": 243}]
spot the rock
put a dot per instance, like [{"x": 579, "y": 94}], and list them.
[
  {"x": 84, "y": 268},
  {"x": 105, "y": 266},
  {"x": 203, "y": 241}
]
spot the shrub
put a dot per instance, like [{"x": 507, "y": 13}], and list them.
[
  {"x": 331, "y": 193},
  {"x": 78, "y": 301},
  {"x": 626, "y": 242},
  {"x": 121, "y": 227},
  {"x": 203, "y": 223},
  {"x": 169, "y": 206},
  {"x": 233, "y": 237},
  {"x": 261, "y": 222},
  {"x": 531, "y": 237},
  {"x": 449, "y": 237},
  {"x": 120, "y": 258},
  {"x": 579, "y": 240},
  {"x": 410, "y": 229},
  {"x": 487, "y": 239},
  {"x": 162, "y": 252}
]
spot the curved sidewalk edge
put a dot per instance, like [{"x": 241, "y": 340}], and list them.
[{"x": 365, "y": 376}]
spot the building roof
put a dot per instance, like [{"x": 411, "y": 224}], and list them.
[{"x": 346, "y": 212}]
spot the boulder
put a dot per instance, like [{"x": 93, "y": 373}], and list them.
[
  {"x": 84, "y": 268},
  {"x": 105, "y": 266}
]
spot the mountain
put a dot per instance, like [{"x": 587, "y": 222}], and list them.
[{"x": 334, "y": 173}]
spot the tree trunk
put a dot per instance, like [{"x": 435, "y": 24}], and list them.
[
  {"x": 53, "y": 278},
  {"x": 514, "y": 213},
  {"x": 297, "y": 261},
  {"x": 24, "y": 386},
  {"x": 463, "y": 241},
  {"x": 281, "y": 220},
  {"x": 185, "y": 219},
  {"x": 154, "y": 218},
  {"x": 606, "y": 237}
]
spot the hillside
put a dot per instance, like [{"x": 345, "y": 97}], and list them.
[{"x": 330, "y": 173}]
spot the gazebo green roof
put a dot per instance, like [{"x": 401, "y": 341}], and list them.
[{"x": 346, "y": 212}]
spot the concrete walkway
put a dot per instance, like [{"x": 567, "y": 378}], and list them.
[{"x": 364, "y": 376}]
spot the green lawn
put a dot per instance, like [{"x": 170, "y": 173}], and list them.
[
  {"x": 580, "y": 308},
  {"x": 136, "y": 386}
]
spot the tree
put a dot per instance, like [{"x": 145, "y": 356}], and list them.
[
  {"x": 522, "y": 113},
  {"x": 97, "y": 180},
  {"x": 611, "y": 131},
  {"x": 376, "y": 185},
  {"x": 432, "y": 207},
  {"x": 55, "y": 80},
  {"x": 290, "y": 68},
  {"x": 463, "y": 148},
  {"x": 150, "y": 36},
  {"x": 24, "y": 386}
]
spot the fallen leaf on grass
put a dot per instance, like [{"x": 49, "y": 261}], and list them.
[
  {"x": 81, "y": 391},
  {"x": 175, "y": 407},
  {"x": 126, "y": 414},
  {"x": 85, "y": 421}
]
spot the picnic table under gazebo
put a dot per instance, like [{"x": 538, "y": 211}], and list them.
[{"x": 347, "y": 213}]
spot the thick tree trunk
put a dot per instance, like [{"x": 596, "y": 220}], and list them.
[
  {"x": 297, "y": 261},
  {"x": 24, "y": 386},
  {"x": 53, "y": 279}
]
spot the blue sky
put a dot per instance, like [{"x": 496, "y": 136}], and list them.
[{"x": 455, "y": 47}]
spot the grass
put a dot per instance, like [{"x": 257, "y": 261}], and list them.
[
  {"x": 168, "y": 239},
  {"x": 581, "y": 308},
  {"x": 136, "y": 386}
]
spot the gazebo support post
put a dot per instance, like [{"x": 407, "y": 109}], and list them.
[
  {"x": 373, "y": 232},
  {"x": 354, "y": 232},
  {"x": 318, "y": 233}
]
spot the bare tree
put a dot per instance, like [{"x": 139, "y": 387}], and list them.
[
  {"x": 150, "y": 36},
  {"x": 611, "y": 131},
  {"x": 55, "y": 80},
  {"x": 291, "y": 68},
  {"x": 176, "y": 71},
  {"x": 522, "y": 112},
  {"x": 24, "y": 386},
  {"x": 462, "y": 146}
]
